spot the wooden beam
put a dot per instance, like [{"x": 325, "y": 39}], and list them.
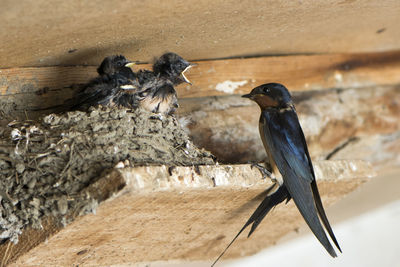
[
  {"x": 35, "y": 88},
  {"x": 73, "y": 32},
  {"x": 149, "y": 207},
  {"x": 298, "y": 73}
]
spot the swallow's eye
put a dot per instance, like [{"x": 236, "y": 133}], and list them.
[{"x": 119, "y": 64}]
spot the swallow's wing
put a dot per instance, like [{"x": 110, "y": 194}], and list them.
[
  {"x": 117, "y": 89},
  {"x": 97, "y": 93},
  {"x": 287, "y": 145},
  {"x": 322, "y": 214},
  {"x": 299, "y": 159}
]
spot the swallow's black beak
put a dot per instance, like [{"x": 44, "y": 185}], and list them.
[
  {"x": 247, "y": 96},
  {"x": 193, "y": 64}
]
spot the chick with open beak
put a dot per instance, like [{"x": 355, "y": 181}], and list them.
[{"x": 172, "y": 67}]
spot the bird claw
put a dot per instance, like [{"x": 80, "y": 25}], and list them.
[{"x": 264, "y": 171}]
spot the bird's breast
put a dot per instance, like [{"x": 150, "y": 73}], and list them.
[{"x": 263, "y": 127}]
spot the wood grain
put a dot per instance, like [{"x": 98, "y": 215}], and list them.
[
  {"x": 31, "y": 89},
  {"x": 298, "y": 73},
  {"x": 43, "y": 33}
]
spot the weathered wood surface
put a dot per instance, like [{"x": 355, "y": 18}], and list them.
[
  {"x": 183, "y": 213},
  {"x": 32, "y": 89},
  {"x": 43, "y": 33}
]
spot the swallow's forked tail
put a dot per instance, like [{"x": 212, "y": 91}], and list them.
[
  {"x": 322, "y": 215},
  {"x": 303, "y": 197},
  {"x": 262, "y": 210}
]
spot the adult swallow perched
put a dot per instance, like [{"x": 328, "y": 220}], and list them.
[{"x": 287, "y": 151}]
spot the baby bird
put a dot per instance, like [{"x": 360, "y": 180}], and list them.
[
  {"x": 115, "y": 64},
  {"x": 118, "y": 85},
  {"x": 172, "y": 67},
  {"x": 157, "y": 93},
  {"x": 159, "y": 97},
  {"x": 115, "y": 79}
]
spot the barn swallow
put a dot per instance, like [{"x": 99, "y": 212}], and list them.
[
  {"x": 155, "y": 89},
  {"x": 159, "y": 97},
  {"x": 118, "y": 85},
  {"x": 115, "y": 64},
  {"x": 152, "y": 90},
  {"x": 157, "y": 93},
  {"x": 172, "y": 67},
  {"x": 287, "y": 151},
  {"x": 115, "y": 75},
  {"x": 115, "y": 79}
]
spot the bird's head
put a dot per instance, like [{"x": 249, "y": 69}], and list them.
[
  {"x": 172, "y": 67},
  {"x": 270, "y": 95},
  {"x": 113, "y": 64}
]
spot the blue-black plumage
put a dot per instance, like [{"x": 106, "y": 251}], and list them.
[{"x": 287, "y": 151}]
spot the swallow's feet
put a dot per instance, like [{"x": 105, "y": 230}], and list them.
[{"x": 264, "y": 171}]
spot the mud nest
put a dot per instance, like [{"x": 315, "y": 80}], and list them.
[{"x": 45, "y": 165}]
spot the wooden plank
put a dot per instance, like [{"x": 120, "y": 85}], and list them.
[
  {"x": 298, "y": 73},
  {"x": 34, "y": 88},
  {"x": 74, "y": 32},
  {"x": 154, "y": 206}
]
